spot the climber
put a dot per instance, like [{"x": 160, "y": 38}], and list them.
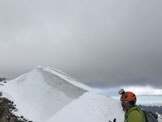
[{"x": 133, "y": 113}]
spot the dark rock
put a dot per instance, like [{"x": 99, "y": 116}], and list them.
[{"x": 7, "y": 108}]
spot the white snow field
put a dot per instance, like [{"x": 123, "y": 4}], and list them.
[{"x": 49, "y": 95}]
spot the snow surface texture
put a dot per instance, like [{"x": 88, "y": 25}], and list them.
[
  {"x": 49, "y": 95},
  {"x": 90, "y": 107}
]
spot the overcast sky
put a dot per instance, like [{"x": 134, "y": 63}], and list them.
[{"x": 103, "y": 43}]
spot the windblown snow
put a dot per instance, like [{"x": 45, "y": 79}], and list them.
[{"x": 49, "y": 95}]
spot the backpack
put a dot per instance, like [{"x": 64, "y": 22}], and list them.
[{"x": 150, "y": 116}]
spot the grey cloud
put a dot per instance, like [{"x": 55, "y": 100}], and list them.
[{"x": 102, "y": 43}]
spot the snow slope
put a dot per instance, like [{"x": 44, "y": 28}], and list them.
[
  {"x": 49, "y": 95},
  {"x": 90, "y": 107}
]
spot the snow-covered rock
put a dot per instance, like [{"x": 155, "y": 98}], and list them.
[{"x": 49, "y": 95}]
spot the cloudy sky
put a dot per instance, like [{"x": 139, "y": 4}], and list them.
[{"x": 103, "y": 43}]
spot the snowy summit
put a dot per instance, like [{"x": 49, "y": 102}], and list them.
[{"x": 50, "y": 95}]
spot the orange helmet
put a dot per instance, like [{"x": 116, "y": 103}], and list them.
[{"x": 128, "y": 96}]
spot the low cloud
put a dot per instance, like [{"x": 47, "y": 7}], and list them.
[
  {"x": 138, "y": 90},
  {"x": 144, "y": 90}
]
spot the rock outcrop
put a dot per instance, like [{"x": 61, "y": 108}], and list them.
[{"x": 7, "y": 109}]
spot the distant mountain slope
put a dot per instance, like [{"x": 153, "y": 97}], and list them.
[{"x": 157, "y": 109}]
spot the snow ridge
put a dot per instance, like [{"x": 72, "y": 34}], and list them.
[{"x": 49, "y": 95}]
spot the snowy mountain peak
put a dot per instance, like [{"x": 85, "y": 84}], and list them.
[
  {"x": 49, "y": 95},
  {"x": 43, "y": 89}
]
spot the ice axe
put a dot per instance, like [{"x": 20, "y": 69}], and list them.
[{"x": 113, "y": 120}]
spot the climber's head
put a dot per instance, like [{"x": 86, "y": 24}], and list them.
[{"x": 128, "y": 99}]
